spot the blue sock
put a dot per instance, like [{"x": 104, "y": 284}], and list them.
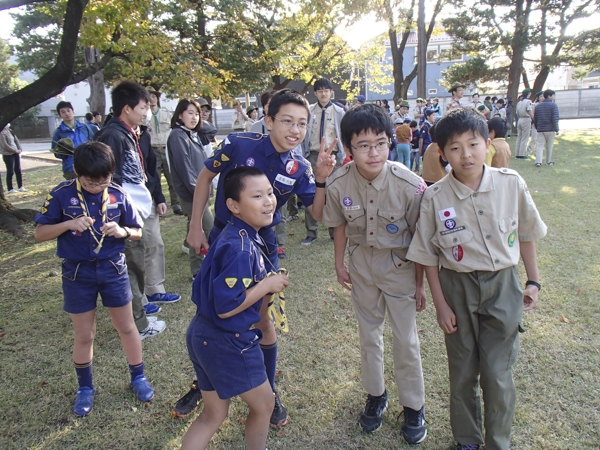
[
  {"x": 84, "y": 374},
  {"x": 136, "y": 370},
  {"x": 270, "y": 357}
]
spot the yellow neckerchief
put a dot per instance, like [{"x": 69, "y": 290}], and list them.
[{"x": 86, "y": 213}]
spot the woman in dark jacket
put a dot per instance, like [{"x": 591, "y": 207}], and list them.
[{"x": 186, "y": 160}]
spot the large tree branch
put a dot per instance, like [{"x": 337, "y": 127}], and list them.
[
  {"x": 57, "y": 78},
  {"x": 9, "y": 4},
  {"x": 91, "y": 69}
]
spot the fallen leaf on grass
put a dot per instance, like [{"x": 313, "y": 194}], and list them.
[
  {"x": 43, "y": 384},
  {"x": 420, "y": 330},
  {"x": 1, "y": 335},
  {"x": 579, "y": 291},
  {"x": 101, "y": 343},
  {"x": 173, "y": 414},
  {"x": 280, "y": 433},
  {"x": 147, "y": 405},
  {"x": 242, "y": 421},
  {"x": 290, "y": 234},
  {"x": 155, "y": 356},
  {"x": 330, "y": 288},
  {"x": 564, "y": 319},
  {"x": 134, "y": 409},
  {"x": 279, "y": 373}
]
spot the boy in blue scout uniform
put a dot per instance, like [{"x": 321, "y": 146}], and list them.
[
  {"x": 289, "y": 174},
  {"x": 474, "y": 224},
  {"x": 90, "y": 217},
  {"x": 222, "y": 341},
  {"x": 374, "y": 204}
]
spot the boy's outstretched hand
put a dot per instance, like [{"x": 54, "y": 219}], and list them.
[
  {"x": 530, "y": 297},
  {"x": 326, "y": 161}
]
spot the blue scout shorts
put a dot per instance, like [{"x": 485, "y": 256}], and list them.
[
  {"x": 83, "y": 280},
  {"x": 226, "y": 362}
]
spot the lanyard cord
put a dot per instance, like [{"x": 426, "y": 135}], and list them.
[{"x": 86, "y": 213}]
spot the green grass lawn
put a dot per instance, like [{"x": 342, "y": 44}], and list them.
[{"x": 557, "y": 373}]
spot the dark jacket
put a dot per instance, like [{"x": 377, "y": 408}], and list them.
[
  {"x": 546, "y": 116},
  {"x": 153, "y": 179},
  {"x": 186, "y": 160},
  {"x": 80, "y": 134},
  {"x": 207, "y": 133},
  {"x": 127, "y": 165}
]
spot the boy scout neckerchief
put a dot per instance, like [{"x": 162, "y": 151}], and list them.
[
  {"x": 276, "y": 313},
  {"x": 86, "y": 213}
]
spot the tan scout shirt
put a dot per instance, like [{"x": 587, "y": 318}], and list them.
[
  {"x": 379, "y": 214},
  {"x": 465, "y": 230},
  {"x": 329, "y": 124},
  {"x": 498, "y": 154}
]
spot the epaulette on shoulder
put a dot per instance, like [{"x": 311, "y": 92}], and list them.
[
  {"x": 506, "y": 171},
  {"x": 403, "y": 173},
  {"x": 339, "y": 173},
  {"x": 249, "y": 135},
  {"x": 118, "y": 188},
  {"x": 63, "y": 185},
  {"x": 434, "y": 189}
]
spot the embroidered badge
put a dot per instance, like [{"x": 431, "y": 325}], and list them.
[
  {"x": 250, "y": 162},
  {"x": 224, "y": 157},
  {"x": 450, "y": 224},
  {"x": 444, "y": 233},
  {"x": 457, "y": 252},
  {"x": 421, "y": 188},
  {"x": 112, "y": 198},
  {"x": 216, "y": 163},
  {"x": 49, "y": 197},
  {"x": 230, "y": 282},
  {"x": 285, "y": 180},
  {"x": 347, "y": 201},
  {"x": 291, "y": 167},
  {"x": 74, "y": 201},
  {"x": 393, "y": 229},
  {"x": 46, "y": 203},
  {"x": 246, "y": 282},
  {"x": 447, "y": 213},
  {"x": 43, "y": 210},
  {"x": 511, "y": 239}
]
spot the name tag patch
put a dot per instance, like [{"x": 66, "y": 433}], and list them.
[
  {"x": 447, "y": 213},
  {"x": 352, "y": 208},
  {"x": 285, "y": 180},
  {"x": 444, "y": 233}
]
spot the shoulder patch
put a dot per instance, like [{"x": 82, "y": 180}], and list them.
[
  {"x": 403, "y": 173},
  {"x": 224, "y": 157},
  {"x": 230, "y": 282},
  {"x": 246, "y": 282},
  {"x": 216, "y": 163}
]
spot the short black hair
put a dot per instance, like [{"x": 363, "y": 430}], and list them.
[
  {"x": 500, "y": 100},
  {"x": 494, "y": 98},
  {"x": 180, "y": 108},
  {"x": 89, "y": 116},
  {"x": 548, "y": 93},
  {"x": 322, "y": 83},
  {"x": 96, "y": 113},
  {"x": 497, "y": 124},
  {"x": 363, "y": 118},
  {"x": 267, "y": 96},
  {"x": 457, "y": 122},
  {"x": 128, "y": 93},
  {"x": 413, "y": 123},
  {"x": 475, "y": 94},
  {"x": 432, "y": 133},
  {"x": 488, "y": 98},
  {"x": 286, "y": 97},
  {"x": 62, "y": 105},
  {"x": 94, "y": 160},
  {"x": 234, "y": 181}
]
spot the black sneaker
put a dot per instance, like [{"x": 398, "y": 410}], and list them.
[
  {"x": 414, "y": 429},
  {"x": 280, "y": 417},
  {"x": 372, "y": 416},
  {"x": 189, "y": 402}
]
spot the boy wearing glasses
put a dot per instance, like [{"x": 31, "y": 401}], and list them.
[
  {"x": 289, "y": 174},
  {"x": 324, "y": 122},
  {"x": 374, "y": 204},
  {"x": 91, "y": 218}
]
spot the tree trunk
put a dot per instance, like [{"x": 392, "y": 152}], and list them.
[
  {"x": 422, "y": 52},
  {"x": 540, "y": 80},
  {"x": 518, "y": 44},
  {"x": 97, "y": 99},
  {"x": 11, "y": 219}
]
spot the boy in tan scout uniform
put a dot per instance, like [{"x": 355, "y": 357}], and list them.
[
  {"x": 474, "y": 225},
  {"x": 373, "y": 205}
]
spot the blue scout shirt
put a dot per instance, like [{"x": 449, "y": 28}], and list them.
[
  {"x": 288, "y": 174},
  {"x": 233, "y": 264},
  {"x": 62, "y": 204},
  {"x": 79, "y": 134}
]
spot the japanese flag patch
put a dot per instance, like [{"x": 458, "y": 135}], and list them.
[{"x": 447, "y": 213}]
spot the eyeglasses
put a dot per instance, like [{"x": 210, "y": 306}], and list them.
[
  {"x": 94, "y": 185},
  {"x": 366, "y": 148},
  {"x": 287, "y": 123}
]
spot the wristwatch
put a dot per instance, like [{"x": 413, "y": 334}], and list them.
[
  {"x": 128, "y": 232},
  {"x": 533, "y": 283},
  {"x": 319, "y": 185}
]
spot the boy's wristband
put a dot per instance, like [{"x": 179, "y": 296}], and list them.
[
  {"x": 533, "y": 283},
  {"x": 128, "y": 232},
  {"x": 319, "y": 185}
]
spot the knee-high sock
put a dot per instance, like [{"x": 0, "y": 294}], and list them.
[
  {"x": 270, "y": 356},
  {"x": 84, "y": 374}
]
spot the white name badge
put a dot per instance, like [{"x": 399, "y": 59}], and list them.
[{"x": 285, "y": 180}]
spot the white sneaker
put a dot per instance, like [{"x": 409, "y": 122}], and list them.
[
  {"x": 22, "y": 189},
  {"x": 152, "y": 318},
  {"x": 153, "y": 329},
  {"x": 12, "y": 191}
]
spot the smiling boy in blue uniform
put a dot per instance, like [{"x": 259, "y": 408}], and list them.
[
  {"x": 474, "y": 224},
  {"x": 373, "y": 205},
  {"x": 289, "y": 174},
  {"x": 222, "y": 341},
  {"x": 90, "y": 217}
]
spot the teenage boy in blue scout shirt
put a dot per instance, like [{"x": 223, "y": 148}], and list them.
[
  {"x": 222, "y": 343},
  {"x": 474, "y": 224},
  {"x": 289, "y": 174},
  {"x": 374, "y": 204},
  {"x": 90, "y": 217}
]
